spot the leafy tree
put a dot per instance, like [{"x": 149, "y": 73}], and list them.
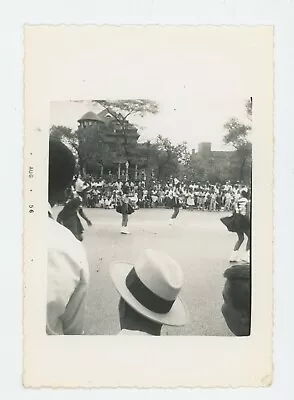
[
  {"x": 121, "y": 110},
  {"x": 64, "y": 134},
  {"x": 146, "y": 154},
  {"x": 195, "y": 170},
  {"x": 183, "y": 154},
  {"x": 237, "y": 136},
  {"x": 67, "y": 136},
  {"x": 168, "y": 158},
  {"x": 248, "y": 106},
  {"x": 86, "y": 144}
]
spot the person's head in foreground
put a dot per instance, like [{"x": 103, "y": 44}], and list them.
[
  {"x": 237, "y": 299},
  {"x": 61, "y": 170},
  {"x": 149, "y": 292}
]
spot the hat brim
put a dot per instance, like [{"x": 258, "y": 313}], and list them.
[{"x": 178, "y": 314}]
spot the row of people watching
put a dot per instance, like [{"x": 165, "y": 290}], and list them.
[{"x": 205, "y": 197}]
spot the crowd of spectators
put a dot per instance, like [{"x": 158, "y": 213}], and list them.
[{"x": 100, "y": 193}]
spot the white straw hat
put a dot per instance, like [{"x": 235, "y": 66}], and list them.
[{"x": 151, "y": 287}]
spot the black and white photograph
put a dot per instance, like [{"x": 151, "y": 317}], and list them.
[
  {"x": 149, "y": 226},
  {"x": 148, "y": 206}
]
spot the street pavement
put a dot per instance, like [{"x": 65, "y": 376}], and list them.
[{"x": 198, "y": 241}]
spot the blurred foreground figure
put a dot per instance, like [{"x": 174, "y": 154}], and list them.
[
  {"x": 149, "y": 292},
  {"x": 237, "y": 299},
  {"x": 68, "y": 272}
]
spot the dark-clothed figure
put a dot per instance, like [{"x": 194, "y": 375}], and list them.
[
  {"x": 237, "y": 299},
  {"x": 69, "y": 217}
]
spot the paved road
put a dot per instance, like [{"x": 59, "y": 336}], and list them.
[{"x": 200, "y": 244}]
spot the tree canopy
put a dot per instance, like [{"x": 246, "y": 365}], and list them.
[
  {"x": 237, "y": 136},
  {"x": 248, "y": 106},
  {"x": 122, "y": 109}
]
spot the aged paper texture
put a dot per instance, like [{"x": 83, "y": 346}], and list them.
[{"x": 65, "y": 63}]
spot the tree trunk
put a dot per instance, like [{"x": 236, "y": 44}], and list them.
[
  {"x": 82, "y": 167},
  {"x": 136, "y": 172},
  {"x": 125, "y": 140},
  {"x": 242, "y": 169}
]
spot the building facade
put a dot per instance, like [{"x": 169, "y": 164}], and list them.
[
  {"x": 112, "y": 126},
  {"x": 119, "y": 136},
  {"x": 222, "y": 165}
]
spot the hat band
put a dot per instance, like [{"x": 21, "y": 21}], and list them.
[{"x": 145, "y": 296}]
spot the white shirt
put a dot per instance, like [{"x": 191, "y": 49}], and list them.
[
  {"x": 79, "y": 185},
  {"x": 67, "y": 281},
  {"x": 237, "y": 196},
  {"x": 241, "y": 206}
]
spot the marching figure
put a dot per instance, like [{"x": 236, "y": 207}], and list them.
[
  {"x": 124, "y": 208},
  {"x": 176, "y": 201}
]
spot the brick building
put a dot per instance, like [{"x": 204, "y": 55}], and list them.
[
  {"x": 205, "y": 153},
  {"x": 218, "y": 164}
]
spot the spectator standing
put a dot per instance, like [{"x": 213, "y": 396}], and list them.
[
  {"x": 237, "y": 299},
  {"x": 149, "y": 292},
  {"x": 67, "y": 271},
  {"x": 190, "y": 199}
]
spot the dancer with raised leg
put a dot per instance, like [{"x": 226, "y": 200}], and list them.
[{"x": 239, "y": 222}]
